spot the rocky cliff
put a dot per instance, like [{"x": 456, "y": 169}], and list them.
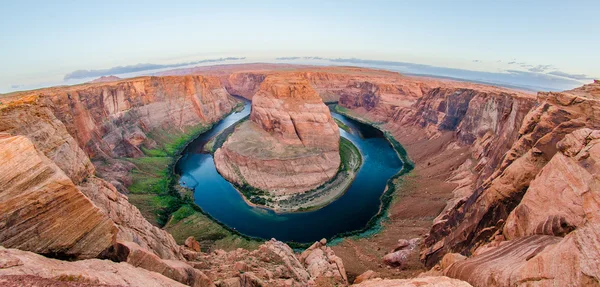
[
  {"x": 551, "y": 237},
  {"x": 520, "y": 196},
  {"x": 482, "y": 214},
  {"x": 42, "y": 210},
  {"x": 59, "y": 208},
  {"x": 56, "y": 132},
  {"x": 290, "y": 144}
]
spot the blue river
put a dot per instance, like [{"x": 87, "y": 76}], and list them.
[{"x": 217, "y": 197}]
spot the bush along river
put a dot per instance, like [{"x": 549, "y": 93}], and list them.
[{"x": 351, "y": 212}]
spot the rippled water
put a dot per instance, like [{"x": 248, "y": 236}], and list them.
[{"x": 352, "y": 211}]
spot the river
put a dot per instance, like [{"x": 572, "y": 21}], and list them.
[{"x": 217, "y": 197}]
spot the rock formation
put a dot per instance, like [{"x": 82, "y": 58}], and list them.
[
  {"x": 553, "y": 233},
  {"x": 17, "y": 266},
  {"x": 290, "y": 144},
  {"x": 484, "y": 212},
  {"x": 42, "y": 210}
]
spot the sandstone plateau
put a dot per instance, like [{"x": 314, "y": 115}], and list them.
[
  {"x": 509, "y": 178},
  {"x": 289, "y": 145}
]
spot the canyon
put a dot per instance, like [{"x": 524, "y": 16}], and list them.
[{"x": 504, "y": 190}]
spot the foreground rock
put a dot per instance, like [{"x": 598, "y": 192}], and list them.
[
  {"x": 440, "y": 281},
  {"x": 401, "y": 252},
  {"x": 42, "y": 210},
  {"x": 15, "y": 262},
  {"x": 273, "y": 264},
  {"x": 132, "y": 225},
  {"x": 290, "y": 144}
]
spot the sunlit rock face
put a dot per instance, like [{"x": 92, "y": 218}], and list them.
[
  {"x": 42, "y": 210},
  {"x": 290, "y": 144}
]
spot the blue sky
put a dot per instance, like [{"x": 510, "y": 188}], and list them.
[{"x": 44, "y": 40}]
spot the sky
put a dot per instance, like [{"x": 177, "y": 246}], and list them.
[{"x": 42, "y": 41}]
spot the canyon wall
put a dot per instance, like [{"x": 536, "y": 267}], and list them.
[
  {"x": 290, "y": 144},
  {"x": 524, "y": 197},
  {"x": 484, "y": 212},
  {"x": 105, "y": 120},
  {"x": 77, "y": 214},
  {"x": 60, "y": 208},
  {"x": 552, "y": 236}
]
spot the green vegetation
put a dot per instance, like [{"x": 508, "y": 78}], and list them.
[
  {"x": 350, "y": 156},
  {"x": 155, "y": 193},
  {"x": 187, "y": 222},
  {"x": 253, "y": 194},
  {"x": 342, "y": 125},
  {"x": 151, "y": 175}
]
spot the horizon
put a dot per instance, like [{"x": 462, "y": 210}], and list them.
[{"x": 541, "y": 45}]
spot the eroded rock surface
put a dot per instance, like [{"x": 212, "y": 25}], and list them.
[
  {"x": 553, "y": 233},
  {"x": 90, "y": 271},
  {"x": 42, "y": 210},
  {"x": 479, "y": 216},
  {"x": 290, "y": 144}
]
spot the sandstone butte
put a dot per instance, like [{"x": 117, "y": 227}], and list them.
[
  {"x": 512, "y": 178},
  {"x": 289, "y": 145}
]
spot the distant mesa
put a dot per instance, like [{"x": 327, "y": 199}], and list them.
[{"x": 106, "y": 79}]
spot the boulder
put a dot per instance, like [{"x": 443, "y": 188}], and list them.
[
  {"x": 192, "y": 244},
  {"x": 43, "y": 271}
]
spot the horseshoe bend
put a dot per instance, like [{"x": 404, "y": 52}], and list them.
[
  {"x": 89, "y": 170},
  {"x": 312, "y": 143}
]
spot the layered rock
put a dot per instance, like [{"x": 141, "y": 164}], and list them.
[
  {"x": 42, "y": 210},
  {"x": 17, "y": 266},
  {"x": 49, "y": 135},
  {"x": 553, "y": 233},
  {"x": 132, "y": 225},
  {"x": 479, "y": 216},
  {"x": 105, "y": 120},
  {"x": 290, "y": 144},
  {"x": 114, "y": 119}
]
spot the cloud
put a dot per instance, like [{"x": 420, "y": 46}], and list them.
[
  {"x": 570, "y": 76},
  {"x": 511, "y": 78},
  {"x": 79, "y": 74},
  {"x": 538, "y": 68},
  {"x": 528, "y": 80},
  {"x": 298, "y": 58}
]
